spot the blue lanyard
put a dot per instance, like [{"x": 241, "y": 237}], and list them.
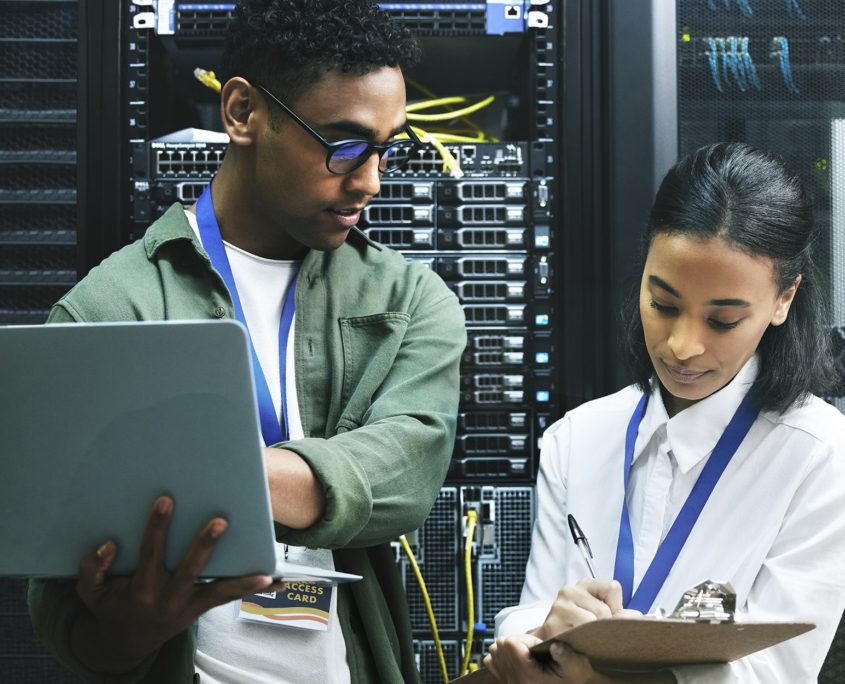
[
  {"x": 271, "y": 429},
  {"x": 671, "y": 547}
]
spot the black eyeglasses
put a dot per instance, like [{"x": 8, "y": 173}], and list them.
[{"x": 347, "y": 155}]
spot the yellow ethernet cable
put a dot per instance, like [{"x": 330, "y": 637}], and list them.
[
  {"x": 413, "y": 561},
  {"x": 426, "y": 104},
  {"x": 208, "y": 79},
  {"x": 430, "y": 94},
  {"x": 445, "y": 116},
  {"x": 472, "y": 517},
  {"x": 449, "y": 162}
]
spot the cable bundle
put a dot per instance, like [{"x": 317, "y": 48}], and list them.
[
  {"x": 735, "y": 62},
  {"x": 744, "y": 7},
  {"x": 435, "y": 135},
  {"x": 780, "y": 49},
  {"x": 470, "y": 132},
  {"x": 793, "y": 8}
]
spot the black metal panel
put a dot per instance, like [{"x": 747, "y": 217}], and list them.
[
  {"x": 101, "y": 133},
  {"x": 38, "y": 99}
]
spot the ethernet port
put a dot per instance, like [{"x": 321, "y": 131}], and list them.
[{"x": 468, "y": 152}]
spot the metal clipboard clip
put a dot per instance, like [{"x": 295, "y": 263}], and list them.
[{"x": 710, "y": 601}]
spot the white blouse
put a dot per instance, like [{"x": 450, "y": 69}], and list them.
[{"x": 774, "y": 526}]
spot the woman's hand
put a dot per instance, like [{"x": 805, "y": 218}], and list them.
[
  {"x": 590, "y": 599},
  {"x": 512, "y": 663}
]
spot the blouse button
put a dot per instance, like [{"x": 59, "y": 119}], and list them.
[{"x": 220, "y": 312}]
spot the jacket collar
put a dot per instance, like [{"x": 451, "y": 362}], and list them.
[
  {"x": 170, "y": 227},
  {"x": 693, "y": 433},
  {"x": 174, "y": 226}
]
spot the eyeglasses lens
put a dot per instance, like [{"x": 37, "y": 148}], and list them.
[
  {"x": 348, "y": 157},
  {"x": 396, "y": 155}
]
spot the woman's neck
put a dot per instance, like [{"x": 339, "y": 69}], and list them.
[{"x": 674, "y": 405}]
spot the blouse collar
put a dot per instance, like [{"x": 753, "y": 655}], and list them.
[{"x": 693, "y": 433}]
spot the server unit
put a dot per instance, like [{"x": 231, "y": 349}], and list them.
[{"x": 500, "y": 549}]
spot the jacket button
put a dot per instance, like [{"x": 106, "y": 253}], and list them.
[{"x": 220, "y": 312}]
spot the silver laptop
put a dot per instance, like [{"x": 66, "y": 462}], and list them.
[{"x": 98, "y": 420}]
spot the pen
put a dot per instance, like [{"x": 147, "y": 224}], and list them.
[{"x": 582, "y": 544}]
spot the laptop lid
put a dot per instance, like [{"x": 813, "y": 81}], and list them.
[{"x": 97, "y": 420}]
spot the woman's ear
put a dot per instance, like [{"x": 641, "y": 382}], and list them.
[
  {"x": 240, "y": 108},
  {"x": 784, "y": 302}
]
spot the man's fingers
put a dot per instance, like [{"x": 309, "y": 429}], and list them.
[
  {"x": 217, "y": 593},
  {"x": 92, "y": 571},
  {"x": 195, "y": 560},
  {"x": 151, "y": 555}
]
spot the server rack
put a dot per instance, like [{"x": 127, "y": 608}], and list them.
[
  {"x": 38, "y": 46},
  {"x": 495, "y": 236},
  {"x": 38, "y": 150},
  {"x": 685, "y": 73}
]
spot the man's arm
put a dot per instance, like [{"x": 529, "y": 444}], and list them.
[
  {"x": 382, "y": 472},
  {"x": 296, "y": 495}
]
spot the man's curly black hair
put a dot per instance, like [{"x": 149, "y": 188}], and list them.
[{"x": 289, "y": 45}]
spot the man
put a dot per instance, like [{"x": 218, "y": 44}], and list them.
[{"x": 366, "y": 409}]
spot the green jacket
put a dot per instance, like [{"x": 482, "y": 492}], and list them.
[{"x": 377, "y": 346}]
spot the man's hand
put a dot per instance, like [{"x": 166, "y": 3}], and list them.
[
  {"x": 130, "y": 618},
  {"x": 590, "y": 599}
]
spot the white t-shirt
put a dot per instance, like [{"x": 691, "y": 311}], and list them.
[
  {"x": 232, "y": 651},
  {"x": 774, "y": 526}
]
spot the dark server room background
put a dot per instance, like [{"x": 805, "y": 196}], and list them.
[{"x": 593, "y": 102}]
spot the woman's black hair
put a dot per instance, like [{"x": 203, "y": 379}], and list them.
[
  {"x": 748, "y": 198},
  {"x": 289, "y": 45}
]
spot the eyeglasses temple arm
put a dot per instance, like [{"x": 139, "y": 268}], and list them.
[{"x": 319, "y": 138}]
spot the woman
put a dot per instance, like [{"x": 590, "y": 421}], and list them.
[{"x": 729, "y": 338}]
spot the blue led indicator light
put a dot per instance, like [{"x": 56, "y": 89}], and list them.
[
  {"x": 541, "y": 319},
  {"x": 541, "y": 357},
  {"x": 542, "y": 396}
]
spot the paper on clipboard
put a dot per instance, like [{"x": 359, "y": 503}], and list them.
[{"x": 645, "y": 644}]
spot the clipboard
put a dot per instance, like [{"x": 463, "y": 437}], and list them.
[
  {"x": 645, "y": 644},
  {"x": 701, "y": 631}
]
